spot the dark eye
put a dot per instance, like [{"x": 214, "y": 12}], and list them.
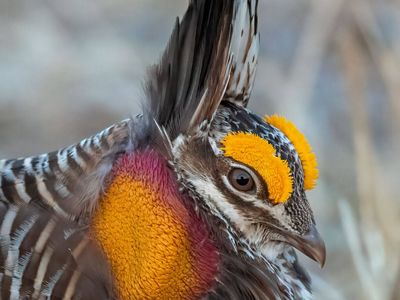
[{"x": 241, "y": 180}]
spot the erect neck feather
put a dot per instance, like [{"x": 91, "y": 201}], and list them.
[{"x": 157, "y": 247}]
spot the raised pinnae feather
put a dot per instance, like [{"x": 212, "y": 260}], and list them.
[
  {"x": 211, "y": 56},
  {"x": 245, "y": 43}
]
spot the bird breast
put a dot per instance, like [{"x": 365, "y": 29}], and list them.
[{"x": 156, "y": 245}]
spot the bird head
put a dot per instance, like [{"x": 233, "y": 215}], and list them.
[{"x": 253, "y": 172}]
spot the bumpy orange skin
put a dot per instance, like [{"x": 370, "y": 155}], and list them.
[
  {"x": 157, "y": 247},
  {"x": 256, "y": 152},
  {"x": 304, "y": 149}
]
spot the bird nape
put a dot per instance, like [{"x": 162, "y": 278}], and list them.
[{"x": 197, "y": 198}]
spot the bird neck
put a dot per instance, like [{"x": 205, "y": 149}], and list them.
[{"x": 156, "y": 245}]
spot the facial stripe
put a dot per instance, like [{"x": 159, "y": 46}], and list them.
[{"x": 257, "y": 153}]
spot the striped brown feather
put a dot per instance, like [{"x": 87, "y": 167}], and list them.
[
  {"x": 211, "y": 56},
  {"x": 245, "y": 43},
  {"x": 68, "y": 181},
  {"x": 46, "y": 257}
]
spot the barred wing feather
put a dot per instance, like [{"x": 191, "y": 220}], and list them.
[
  {"x": 44, "y": 256},
  {"x": 69, "y": 181}
]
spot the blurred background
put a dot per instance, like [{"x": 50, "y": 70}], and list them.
[{"x": 70, "y": 68}]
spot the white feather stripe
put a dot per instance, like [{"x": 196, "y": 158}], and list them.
[
  {"x": 19, "y": 185},
  {"x": 79, "y": 249},
  {"x": 70, "y": 291},
  {"x": 16, "y": 241},
  {"x": 49, "y": 286},
  {"x": 78, "y": 159},
  {"x": 48, "y": 198},
  {"x": 18, "y": 274},
  {"x": 59, "y": 186},
  {"x": 62, "y": 159},
  {"x": 62, "y": 190},
  {"x": 22, "y": 194},
  {"x": 44, "y": 236},
  {"x": 5, "y": 229},
  {"x": 28, "y": 165},
  {"x": 41, "y": 272},
  {"x": 86, "y": 148}
]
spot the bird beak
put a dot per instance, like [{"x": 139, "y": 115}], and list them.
[{"x": 310, "y": 244}]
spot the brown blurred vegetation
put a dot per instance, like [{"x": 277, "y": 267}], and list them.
[{"x": 70, "y": 68}]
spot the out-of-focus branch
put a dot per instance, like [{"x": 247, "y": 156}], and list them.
[
  {"x": 315, "y": 39},
  {"x": 386, "y": 207},
  {"x": 375, "y": 225},
  {"x": 355, "y": 73},
  {"x": 295, "y": 87},
  {"x": 370, "y": 287},
  {"x": 384, "y": 57},
  {"x": 396, "y": 290}
]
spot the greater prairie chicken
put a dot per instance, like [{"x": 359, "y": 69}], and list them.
[{"x": 197, "y": 198}]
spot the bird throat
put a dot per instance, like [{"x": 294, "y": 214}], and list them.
[{"x": 156, "y": 245}]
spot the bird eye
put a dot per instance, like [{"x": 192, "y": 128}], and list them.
[{"x": 241, "y": 180}]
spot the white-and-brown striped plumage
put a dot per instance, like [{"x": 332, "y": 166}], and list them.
[
  {"x": 45, "y": 202},
  {"x": 69, "y": 181},
  {"x": 44, "y": 256}
]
